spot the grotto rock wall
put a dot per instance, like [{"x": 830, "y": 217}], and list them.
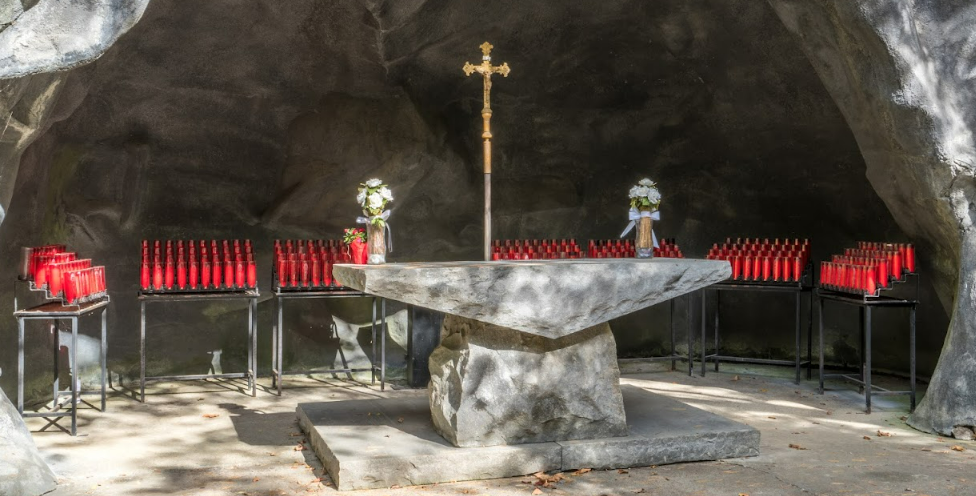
[
  {"x": 903, "y": 75},
  {"x": 223, "y": 121}
]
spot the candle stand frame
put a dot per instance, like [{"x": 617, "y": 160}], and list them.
[
  {"x": 250, "y": 295},
  {"x": 277, "y": 360},
  {"x": 865, "y": 304},
  {"x": 803, "y": 285},
  {"x": 56, "y": 311}
]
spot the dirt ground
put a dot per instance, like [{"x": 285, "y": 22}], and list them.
[{"x": 207, "y": 438}]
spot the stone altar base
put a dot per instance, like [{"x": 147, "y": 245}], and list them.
[{"x": 363, "y": 445}]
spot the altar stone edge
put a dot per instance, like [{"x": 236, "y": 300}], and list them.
[{"x": 550, "y": 298}]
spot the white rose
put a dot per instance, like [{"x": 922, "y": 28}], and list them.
[
  {"x": 646, "y": 182},
  {"x": 375, "y": 201},
  {"x": 372, "y": 183},
  {"x": 643, "y": 191},
  {"x": 654, "y": 196},
  {"x": 634, "y": 192},
  {"x": 386, "y": 193},
  {"x": 361, "y": 197}
]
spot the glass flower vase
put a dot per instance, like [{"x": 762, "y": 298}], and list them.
[
  {"x": 376, "y": 244},
  {"x": 644, "y": 244}
]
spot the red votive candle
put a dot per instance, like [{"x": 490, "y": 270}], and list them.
[
  {"x": 205, "y": 273},
  {"x": 282, "y": 273},
  {"x": 145, "y": 278},
  {"x": 240, "y": 274},
  {"x": 168, "y": 274},
  {"x": 251, "y": 269},
  {"x": 194, "y": 274},
  {"x": 228, "y": 274},
  {"x": 766, "y": 269},
  {"x": 181, "y": 274},
  {"x": 797, "y": 269}
]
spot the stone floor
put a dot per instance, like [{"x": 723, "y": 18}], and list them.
[{"x": 209, "y": 439}]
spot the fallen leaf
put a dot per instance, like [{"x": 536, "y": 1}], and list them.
[
  {"x": 774, "y": 418},
  {"x": 622, "y": 471},
  {"x": 797, "y": 447},
  {"x": 735, "y": 377},
  {"x": 272, "y": 454},
  {"x": 903, "y": 417},
  {"x": 399, "y": 420},
  {"x": 300, "y": 447},
  {"x": 883, "y": 434},
  {"x": 867, "y": 438},
  {"x": 763, "y": 390},
  {"x": 743, "y": 494},
  {"x": 211, "y": 415},
  {"x": 293, "y": 434},
  {"x": 537, "y": 491},
  {"x": 956, "y": 447},
  {"x": 257, "y": 479},
  {"x": 395, "y": 486},
  {"x": 582, "y": 471},
  {"x": 639, "y": 491}
]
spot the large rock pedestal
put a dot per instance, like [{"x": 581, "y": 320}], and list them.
[{"x": 494, "y": 385}]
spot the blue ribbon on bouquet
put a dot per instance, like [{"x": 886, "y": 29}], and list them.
[
  {"x": 634, "y": 215},
  {"x": 385, "y": 215}
]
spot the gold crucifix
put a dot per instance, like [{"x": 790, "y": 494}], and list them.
[{"x": 486, "y": 70}]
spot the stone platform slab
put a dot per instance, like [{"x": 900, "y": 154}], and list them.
[{"x": 376, "y": 443}]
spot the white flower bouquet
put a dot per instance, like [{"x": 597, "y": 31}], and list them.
[
  {"x": 373, "y": 197},
  {"x": 645, "y": 197}
]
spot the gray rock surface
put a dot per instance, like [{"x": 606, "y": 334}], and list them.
[
  {"x": 379, "y": 443},
  {"x": 54, "y": 35},
  {"x": 902, "y": 74},
  {"x": 491, "y": 385},
  {"x": 552, "y": 298},
  {"x": 221, "y": 121},
  {"x": 22, "y": 471},
  {"x": 963, "y": 433}
]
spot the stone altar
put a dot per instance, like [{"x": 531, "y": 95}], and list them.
[
  {"x": 526, "y": 353},
  {"x": 526, "y": 364}
]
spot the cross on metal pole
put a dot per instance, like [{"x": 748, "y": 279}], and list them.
[{"x": 486, "y": 70}]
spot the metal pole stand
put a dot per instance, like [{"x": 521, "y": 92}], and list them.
[
  {"x": 865, "y": 305},
  {"x": 56, "y": 311},
  {"x": 250, "y": 295},
  {"x": 796, "y": 287},
  {"x": 674, "y": 356},
  {"x": 277, "y": 360}
]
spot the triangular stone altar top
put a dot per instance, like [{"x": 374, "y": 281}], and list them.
[{"x": 550, "y": 298}]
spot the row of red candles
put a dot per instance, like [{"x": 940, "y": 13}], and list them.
[
  {"x": 220, "y": 267},
  {"x": 762, "y": 260},
  {"x": 868, "y": 268},
  {"x": 83, "y": 285},
  {"x": 308, "y": 263},
  {"x": 63, "y": 275},
  {"x": 535, "y": 249}
]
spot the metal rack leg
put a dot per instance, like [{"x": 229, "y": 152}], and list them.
[
  {"x": 252, "y": 350},
  {"x": 280, "y": 350},
  {"x": 797, "y": 332},
  {"x": 860, "y": 347},
  {"x": 911, "y": 340},
  {"x": 718, "y": 308},
  {"x": 104, "y": 357},
  {"x": 867, "y": 354},
  {"x": 142, "y": 351},
  {"x": 703, "y": 302},
  {"x": 56, "y": 338},
  {"x": 20, "y": 366},
  {"x": 820, "y": 305},
  {"x": 383, "y": 346},
  {"x": 373, "y": 341},
  {"x": 671, "y": 322},
  {"x": 74, "y": 376},
  {"x": 810, "y": 339},
  {"x": 274, "y": 344},
  {"x": 689, "y": 333}
]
